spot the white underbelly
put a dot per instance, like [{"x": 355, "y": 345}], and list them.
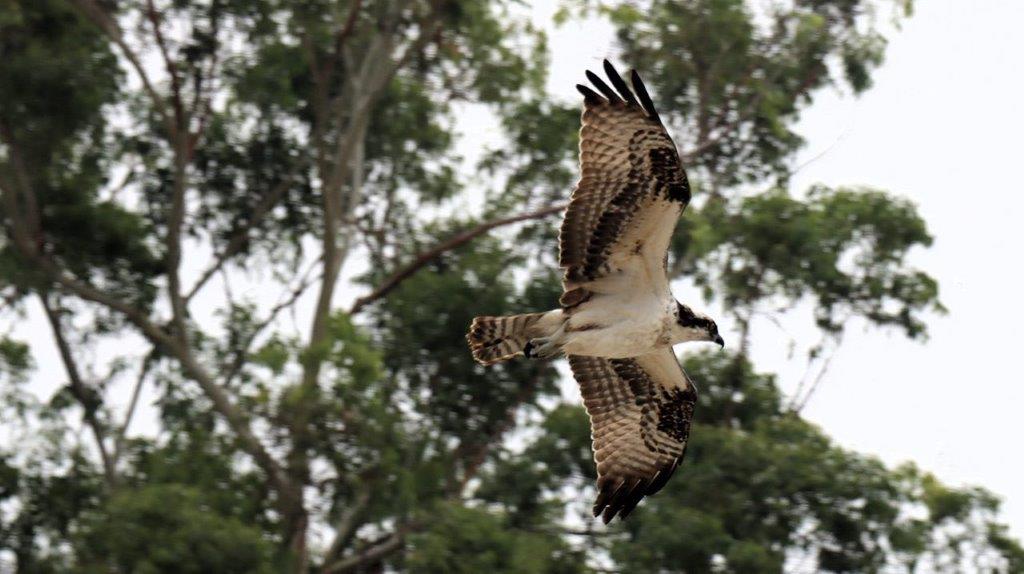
[
  {"x": 616, "y": 342},
  {"x": 614, "y": 327}
]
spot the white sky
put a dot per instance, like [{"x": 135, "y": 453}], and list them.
[{"x": 941, "y": 126}]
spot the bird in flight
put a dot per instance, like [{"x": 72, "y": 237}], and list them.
[{"x": 618, "y": 319}]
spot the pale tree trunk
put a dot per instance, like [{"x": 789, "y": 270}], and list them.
[{"x": 339, "y": 139}]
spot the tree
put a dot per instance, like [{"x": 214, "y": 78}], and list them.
[{"x": 152, "y": 151}]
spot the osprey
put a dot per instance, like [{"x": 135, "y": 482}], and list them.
[{"x": 618, "y": 319}]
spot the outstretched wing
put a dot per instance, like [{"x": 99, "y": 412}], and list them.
[
  {"x": 640, "y": 412},
  {"x": 632, "y": 188}
]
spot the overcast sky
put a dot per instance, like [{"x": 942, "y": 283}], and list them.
[{"x": 941, "y": 127}]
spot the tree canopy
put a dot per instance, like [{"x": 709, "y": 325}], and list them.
[{"x": 192, "y": 192}]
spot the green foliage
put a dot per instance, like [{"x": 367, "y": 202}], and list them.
[
  {"x": 846, "y": 248},
  {"x": 273, "y": 355},
  {"x": 15, "y": 359},
  {"x": 537, "y": 473},
  {"x": 47, "y": 48},
  {"x": 541, "y": 164},
  {"x": 758, "y": 483},
  {"x": 50, "y": 503},
  {"x": 738, "y": 74},
  {"x": 202, "y": 461},
  {"x": 168, "y": 529},
  {"x": 464, "y": 540},
  {"x": 419, "y": 348}
]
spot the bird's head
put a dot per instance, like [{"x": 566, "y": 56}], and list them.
[{"x": 693, "y": 326}]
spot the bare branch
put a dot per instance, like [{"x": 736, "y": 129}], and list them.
[
  {"x": 346, "y": 526},
  {"x": 319, "y": 92},
  {"x": 724, "y": 129},
  {"x": 91, "y": 10},
  {"x": 574, "y": 532},
  {"x": 175, "y": 222},
  {"x": 455, "y": 242},
  {"x": 355, "y": 103},
  {"x": 708, "y": 144},
  {"x": 363, "y": 90},
  {"x": 88, "y": 398},
  {"x": 333, "y": 215},
  {"x": 473, "y": 454},
  {"x": 106, "y": 23},
  {"x": 180, "y": 142},
  {"x": 172, "y": 68},
  {"x": 586, "y": 531},
  {"x": 372, "y": 554},
  {"x": 147, "y": 362},
  {"x": 129, "y": 176},
  {"x": 240, "y": 238},
  {"x": 23, "y": 215},
  {"x": 346, "y": 31},
  {"x": 202, "y": 107},
  {"x": 798, "y": 402},
  {"x": 326, "y": 75},
  {"x": 243, "y": 352},
  {"x": 374, "y": 76},
  {"x": 289, "y": 497},
  {"x": 814, "y": 385}
]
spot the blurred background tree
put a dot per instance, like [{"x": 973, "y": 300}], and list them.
[{"x": 165, "y": 165}]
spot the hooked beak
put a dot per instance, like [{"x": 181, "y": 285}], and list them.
[{"x": 718, "y": 339}]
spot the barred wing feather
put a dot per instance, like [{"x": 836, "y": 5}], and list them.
[
  {"x": 640, "y": 412},
  {"x": 632, "y": 188}
]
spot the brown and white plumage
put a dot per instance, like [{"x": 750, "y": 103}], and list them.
[
  {"x": 622, "y": 215},
  {"x": 640, "y": 412},
  {"x": 494, "y": 339},
  {"x": 618, "y": 318},
  {"x": 632, "y": 188}
]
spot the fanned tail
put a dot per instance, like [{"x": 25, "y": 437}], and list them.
[{"x": 495, "y": 339}]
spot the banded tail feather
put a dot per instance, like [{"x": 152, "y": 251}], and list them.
[{"x": 495, "y": 339}]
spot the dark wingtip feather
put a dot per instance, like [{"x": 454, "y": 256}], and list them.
[
  {"x": 661, "y": 478},
  {"x": 589, "y": 96},
  {"x": 621, "y": 498},
  {"x": 603, "y": 87},
  {"x": 603, "y": 495},
  {"x": 634, "y": 498},
  {"x": 619, "y": 84},
  {"x": 606, "y": 498},
  {"x": 645, "y": 98}
]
